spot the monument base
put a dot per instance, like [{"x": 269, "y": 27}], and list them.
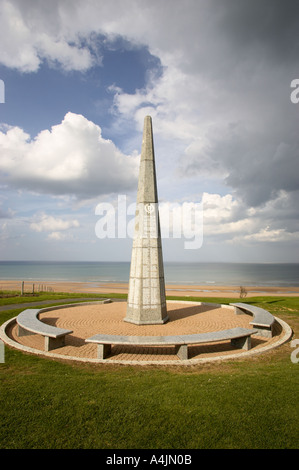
[
  {"x": 147, "y": 322},
  {"x": 146, "y": 316}
]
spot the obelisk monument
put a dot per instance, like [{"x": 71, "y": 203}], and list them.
[{"x": 146, "y": 296}]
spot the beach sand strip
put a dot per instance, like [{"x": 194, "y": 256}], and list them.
[{"x": 171, "y": 289}]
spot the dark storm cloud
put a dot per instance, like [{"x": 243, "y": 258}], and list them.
[
  {"x": 267, "y": 28},
  {"x": 249, "y": 53}
]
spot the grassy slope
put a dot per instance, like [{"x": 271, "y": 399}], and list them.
[
  {"x": 9, "y": 299},
  {"x": 249, "y": 403}
]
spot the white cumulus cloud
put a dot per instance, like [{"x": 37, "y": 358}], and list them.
[
  {"x": 28, "y": 36},
  {"x": 48, "y": 223},
  {"x": 71, "y": 158}
]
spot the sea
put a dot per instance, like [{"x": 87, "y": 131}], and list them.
[{"x": 209, "y": 274}]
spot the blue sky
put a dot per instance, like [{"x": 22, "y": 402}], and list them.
[
  {"x": 215, "y": 76},
  {"x": 38, "y": 100}
]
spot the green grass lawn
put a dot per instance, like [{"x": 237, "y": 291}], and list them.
[
  {"x": 13, "y": 297},
  {"x": 251, "y": 403}
]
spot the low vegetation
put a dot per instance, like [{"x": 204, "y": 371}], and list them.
[{"x": 14, "y": 297}]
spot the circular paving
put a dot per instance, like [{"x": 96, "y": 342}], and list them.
[{"x": 184, "y": 318}]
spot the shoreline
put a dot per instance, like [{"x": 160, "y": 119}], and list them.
[{"x": 91, "y": 287}]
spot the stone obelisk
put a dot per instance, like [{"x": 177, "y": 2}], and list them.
[{"x": 146, "y": 296}]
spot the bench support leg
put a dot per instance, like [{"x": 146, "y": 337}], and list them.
[
  {"x": 182, "y": 351},
  {"x": 265, "y": 331},
  {"x": 54, "y": 343},
  {"x": 242, "y": 343},
  {"x": 104, "y": 350},
  {"x": 23, "y": 332},
  {"x": 239, "y": 311}
]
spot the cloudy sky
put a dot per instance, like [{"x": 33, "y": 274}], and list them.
[{"x": 215, "y": 75}]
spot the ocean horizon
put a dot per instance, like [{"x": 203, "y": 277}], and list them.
[{"x": 229, "y": 274}]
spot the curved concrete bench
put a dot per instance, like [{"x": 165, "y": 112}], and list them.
[
  {"x": 240, "y": 338},
  {"x": 263, "y": 320},
  {"x": 28, "y": 323}
]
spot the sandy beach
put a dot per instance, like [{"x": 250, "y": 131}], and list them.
[{"x": 171, "y": 290}]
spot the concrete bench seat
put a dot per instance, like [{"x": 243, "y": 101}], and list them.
[
  {"x": 239, "y": 337},
  {"x": 263, "y": 320},
  {"x": 28, "y": 323}
]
